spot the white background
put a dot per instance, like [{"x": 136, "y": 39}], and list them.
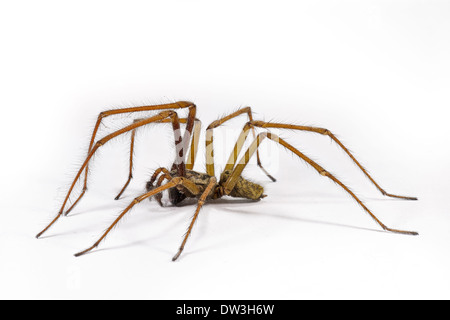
[{"x": 376, "y": 73}]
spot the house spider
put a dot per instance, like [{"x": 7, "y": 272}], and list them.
[{"x": 183, "y": 182}]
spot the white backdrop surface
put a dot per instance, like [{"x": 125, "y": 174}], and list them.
[{"x": 376, "y": 73}]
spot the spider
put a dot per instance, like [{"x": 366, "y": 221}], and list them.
[{"x": 183, "y": 182}]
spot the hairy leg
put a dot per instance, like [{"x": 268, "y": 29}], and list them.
[
  {"x": 327, "y": 132},
  {"x": 232, "y": 180},
  {"x": 170, "y": 184},
  {"x": 164, "y": 176},
  {"x": 130, "y": 174},
  {"x": 267, "y": 125},
  {"x": 177, "y": 181},
  {"x": 177, "y": 105},
  {"x": 101, "y": 142},
  {"x": 210, "y": 140},
  {"x": 192, "y": 152},
  {"x": 201, "y": 202}
]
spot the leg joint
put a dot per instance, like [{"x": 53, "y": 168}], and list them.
[
  {"x": 256, "y": 123},
  {"x": 213, "y": 125},
  {"x": 100, "y": 143}
]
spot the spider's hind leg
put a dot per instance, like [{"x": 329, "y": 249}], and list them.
[
  {"x": 326, "y": 132},
  {"x": 237, "y": 171}
]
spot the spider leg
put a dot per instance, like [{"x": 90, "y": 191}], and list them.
[
  {"x": 194, "y": 145},
  {"x": 180, "y": 153},
  {"x": 189, "y": 185},
  {"x": 327, "y": 132},
  {"x": 192, "y": 134},
  {"x": 238, "y": 147},
  {"x": 101, "y": 142},
  {"x": 210, "y": 140},
  {"x": 201, "y": 202},
  {"x": 130, "y": 175},
  {"x": 165, "y": 176},
  {"x": 173, "y": 183},
  {"x": 177, "y": 105},
  {"x": 156, "y": 174},
  {"x": 192, "y": 152},
  {"x": 232, "y": 180}
]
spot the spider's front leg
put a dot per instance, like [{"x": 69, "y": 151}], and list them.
[
  {"x": 173, "y": 183},
  {"x": 101, "y": 142},
  {"x": 164, "y": 176},
  {"x": 201, "y": 202},
  {"x": 174, "y": 106},
  {"x": 192, "y": 152}
]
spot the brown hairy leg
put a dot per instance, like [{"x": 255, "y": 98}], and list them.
[
  {"x": 177, "y": 105},
  {"x": 192, "y": 153},
  {"x": 267, "y": 125},
  {"x": 232, "y": 180},
  {"x": 164, "y": 176},
  {"x": 101, "y": 142},
  {"x": 156, "y": 174},
  {"x": 194, "y": 145},
  {"x": 210, "y": 140},
  {"x": 171, "y": 184},
  {"x": 130, "y": 174},
  {"x": 201, "y": 202},
  {"x": 327, "y": 132}
]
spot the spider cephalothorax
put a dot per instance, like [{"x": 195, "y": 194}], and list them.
[
  {"x": 182, "y": 182},
  {"x": 179, "y": 193}
]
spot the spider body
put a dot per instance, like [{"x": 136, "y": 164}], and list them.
[
  {"x": 243, "y": 189},
  {"x": 200, "y": 180},
  {"x": 183, "y": 182},
  {"x": 180, "y": 193}
]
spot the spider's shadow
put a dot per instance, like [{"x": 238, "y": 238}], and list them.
[
  {"x": 185, "y": 203},
  {"x": 300, "y": 219},
  {"x": 191, "y": 202},
  {"x": 102, "y": 207},
  {"x": 228, "y": 201}
]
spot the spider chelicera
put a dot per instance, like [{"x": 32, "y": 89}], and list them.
[{"x": 183, "y": 182}]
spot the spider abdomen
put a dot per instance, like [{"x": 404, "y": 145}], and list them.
[{"x": 243, "y": 188}]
